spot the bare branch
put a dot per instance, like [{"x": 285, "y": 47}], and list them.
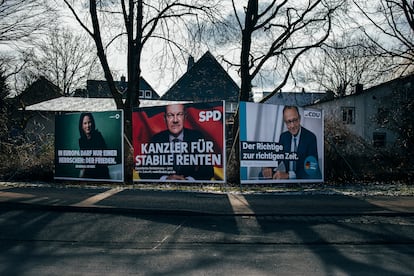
[
  {"x": 393, "y": 30},
  {"x": 71, "y": 8},
  {"x": 23, "y": 20}
]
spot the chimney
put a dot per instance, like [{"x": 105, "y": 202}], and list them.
[
  {"x": 358, "y": 88},
  {"x": 190, "y": 62}
]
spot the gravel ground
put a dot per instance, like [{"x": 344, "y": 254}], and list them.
[{"x": 356, "y": 189}]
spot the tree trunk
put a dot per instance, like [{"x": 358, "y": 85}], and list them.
[{"x": 233, "y": 162}]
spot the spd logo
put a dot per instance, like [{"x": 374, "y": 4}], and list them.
[{"x": 205, "y": 116}]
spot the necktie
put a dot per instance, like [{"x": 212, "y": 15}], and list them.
[
  {"x": 295, "y": 144},
  {"x": 295, "y": 149}
]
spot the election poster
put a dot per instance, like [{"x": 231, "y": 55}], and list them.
[
  {"x": 179, "y": 143},
  {"x": 89, "y": 146},
  {"x": 280, "y": 144}
]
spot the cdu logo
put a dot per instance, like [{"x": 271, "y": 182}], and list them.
[{"x": 313, "y": 114}]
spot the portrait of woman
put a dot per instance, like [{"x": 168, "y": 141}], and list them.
[{"x": 91, "y": 139}]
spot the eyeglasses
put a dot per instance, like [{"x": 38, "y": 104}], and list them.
[
  {"x": 293, "y": 121},
  {"x": 171, "y": 116}
]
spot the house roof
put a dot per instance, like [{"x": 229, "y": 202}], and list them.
[
  {"x": 206, "y": 80},
  {"x": 68, "y": 104},
  {"x": 100, "y": 88},
  {"x": 40, "y": 90},
  {"x": 296, "y": 98},
  {"x": 405, "y": 80}
]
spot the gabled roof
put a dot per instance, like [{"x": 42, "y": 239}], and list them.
[
  {"x": 296, "y": 98},
  {"x": 100, "y": 88},
  {"x": 39, "y": 91},
  {"x": 401, "y": 81},
  {"x": 205, "y": 81}
]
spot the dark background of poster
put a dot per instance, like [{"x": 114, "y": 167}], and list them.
[{"x": 109, "y": 123}]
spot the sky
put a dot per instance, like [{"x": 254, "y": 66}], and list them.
[
  {"x": 159, "y": 80},
  {"x": 162, "y": 80}
]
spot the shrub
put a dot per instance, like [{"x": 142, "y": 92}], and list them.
[
  {"x": 27, "y": 160},
  {"x": 350, "y": 157}
]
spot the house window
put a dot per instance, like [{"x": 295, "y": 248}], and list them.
[
  {"x": 348, "y": 115},
  {"x": 141, "y": 94},
  {"x": 148, "y": 94},
  {"x": 379, "y": 139}
]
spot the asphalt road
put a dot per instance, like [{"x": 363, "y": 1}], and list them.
[
  {"x": 114, "y": 231},
  {"x": 76, "y": 243}
]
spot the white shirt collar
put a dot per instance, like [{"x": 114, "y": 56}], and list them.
[{"x": 179, "y": 137}]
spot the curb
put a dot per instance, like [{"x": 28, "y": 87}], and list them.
[{"x": 182, "y": 212}]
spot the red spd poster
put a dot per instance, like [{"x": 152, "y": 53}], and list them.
[{"x": 179, "y": 142}]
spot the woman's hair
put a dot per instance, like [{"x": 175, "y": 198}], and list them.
[{"x": 83, "y": 115}]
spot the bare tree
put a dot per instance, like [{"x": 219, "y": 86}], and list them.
[
  {"x": 274, "y": 35},
  {"x": 23, "y": 19},
  {"x": 345, "y": 62},
  {"x": 142, "y": 21},
  {"x": 391, "y": 29},
  {"x": 65, "y": 58},
  {"x": 397, "y": 115},
  {"x": 4, "y": 93}
]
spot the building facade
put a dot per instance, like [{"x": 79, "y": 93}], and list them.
[{"x": 375, "y": 114}]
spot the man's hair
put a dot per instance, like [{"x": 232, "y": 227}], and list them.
[
  {"x": 165, "y": 109},
  {"x": 291, "y": 107}
]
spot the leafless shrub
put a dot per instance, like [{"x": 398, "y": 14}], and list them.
[
  {"x": 27, "y": 160},
  {"x": 350, "y": 157}
]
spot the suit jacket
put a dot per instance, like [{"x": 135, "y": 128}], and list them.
[
  {"x": 96, "y": 142},
  {"x": 306, "y": 147},
  {"x": 199, "y": 172}
]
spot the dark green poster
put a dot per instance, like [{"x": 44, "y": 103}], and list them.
[{"x": 89, "y": 146}]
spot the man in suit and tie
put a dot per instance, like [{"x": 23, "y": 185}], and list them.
[
  {"x": 300, "y": 144},
  {"x": 174, "y": 118}
]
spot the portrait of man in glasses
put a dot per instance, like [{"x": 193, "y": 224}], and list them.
[{"x": 301, "y": 147}]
